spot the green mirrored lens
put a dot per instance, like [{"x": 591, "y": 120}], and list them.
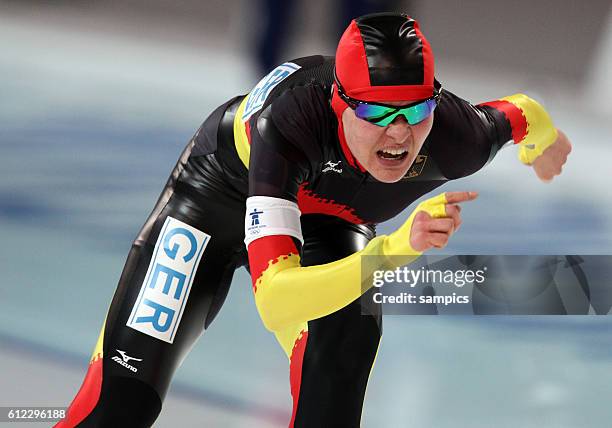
[
  {"x": 383, "y": 116},
  {"x": 372, "y": 112}
]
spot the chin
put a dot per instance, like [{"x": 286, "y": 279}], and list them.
[
  {"x": 388, "y": 176},
  {"x": 390, "y": 173}
]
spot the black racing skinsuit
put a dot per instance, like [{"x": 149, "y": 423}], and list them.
[{"x": 295, "y": 154}]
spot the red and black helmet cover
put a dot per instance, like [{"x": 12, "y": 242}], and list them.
[
  {"x": 385, "y": 57},
  {"x": 381, "y": 57}
]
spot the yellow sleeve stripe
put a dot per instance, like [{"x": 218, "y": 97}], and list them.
[
  {"x": 289, "y": 294},
  {"x": 241, "y": 139},
  {"x": 289, "y": 336},
  {"x": 541, "y": 133},
  {"x": 97, "y": 352}
]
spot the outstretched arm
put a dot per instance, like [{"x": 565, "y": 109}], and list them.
[{"x": 466, "y": 136}]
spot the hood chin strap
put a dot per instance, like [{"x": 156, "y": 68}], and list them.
[{"x": 338, "y": 106}]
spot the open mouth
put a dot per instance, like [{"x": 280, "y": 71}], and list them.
[{"x": 393, "y": 154}]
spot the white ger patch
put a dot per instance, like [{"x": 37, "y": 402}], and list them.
[{"x": 166, "y": 286}]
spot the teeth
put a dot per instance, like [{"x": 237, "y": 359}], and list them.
[{"x": 394, "y": 152}]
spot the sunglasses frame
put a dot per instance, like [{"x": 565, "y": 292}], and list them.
[{"x": 353, "y": 103}]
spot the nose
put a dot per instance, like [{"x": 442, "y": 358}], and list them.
[{"x": 399, "y": 128}]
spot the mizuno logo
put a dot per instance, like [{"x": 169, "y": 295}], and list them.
[
  {"x": 124, "y": 360},
  {"x": 331, "y": 166}
]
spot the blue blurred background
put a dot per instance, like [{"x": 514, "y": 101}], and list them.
[{"x": 98, "y": 98}]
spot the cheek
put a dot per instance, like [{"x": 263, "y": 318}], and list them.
[
  {"x": 362, "y": 137},
  {"x": 421, "y": 131},
  {"x": 367, "y": 134},
  {"x": 371, "y": 132}
]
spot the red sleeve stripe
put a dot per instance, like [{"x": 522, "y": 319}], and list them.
[
  {"x": 266, "y": 250},
  {"x": 295, "y": 371},
  {"x": 87, "y": 397},
  {"x": 247, "y": 131},
  {"x": 515, "y": 116}
]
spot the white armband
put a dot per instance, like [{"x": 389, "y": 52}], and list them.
[{"x": 266, "y": 216}]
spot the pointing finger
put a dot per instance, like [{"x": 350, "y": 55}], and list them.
[{"x": 457, "y": 197}]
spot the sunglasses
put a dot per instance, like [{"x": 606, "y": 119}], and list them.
[{"x": 383, "y": 115}]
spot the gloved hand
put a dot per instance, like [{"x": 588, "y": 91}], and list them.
[{"x": 430, "y": 225}]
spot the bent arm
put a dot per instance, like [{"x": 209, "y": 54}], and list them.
[
  {"x": 465, "y": 137},
  {"x": 287, "y": 293}
]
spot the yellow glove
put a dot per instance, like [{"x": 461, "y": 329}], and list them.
[{"x": 541, "y": 132}]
